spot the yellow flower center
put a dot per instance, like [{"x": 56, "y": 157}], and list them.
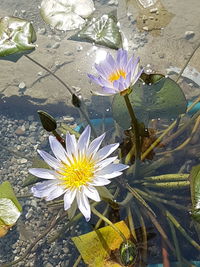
[
  {"x": 77, "y": 173},
  {"x": 116, "y": 75}
]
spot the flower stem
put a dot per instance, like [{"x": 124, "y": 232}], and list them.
[
  {"x": 135, "y": 128},
  {"x": 109, "y": 222},
  {"x": 67, "y": 87}
]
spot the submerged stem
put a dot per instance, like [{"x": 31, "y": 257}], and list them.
[{"x": 109, "y": 222}]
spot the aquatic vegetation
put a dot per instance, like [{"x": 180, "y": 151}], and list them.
[
  {"x": 78, "y": 169},
  {"x": 116, "y": 76},
  {"x": 66, "y": 14}
]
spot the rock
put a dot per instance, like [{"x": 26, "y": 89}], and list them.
[
  {"x": 189, "y": 35},
  {"x": 22, "y": 85},
  {"x": 23, "y": 161},
  {"x": 56, "y": 45},
  {"x": 20, "y": 131},
  {"x": 154, "y": 10},
  {"x": 145, "y": 28}
]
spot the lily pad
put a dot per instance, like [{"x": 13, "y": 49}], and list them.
[
  {"x": 195, "y": 192},
  {"x": 103, "y": 31},
  {"x": 162, "y": 98},
  {"x": 16, "y": 36},
  {"x": 10, "y": 208},
  {"x": 96, "y": 247},
  {"x": 66, "y": 14}
]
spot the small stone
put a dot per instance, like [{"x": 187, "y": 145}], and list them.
[
  {"x": 22, "y": 161},
  {"x": 40, "y": 73},
  {"x": 154, "y": 10},
  {"x": 22, "y": 85},
  {"x": 161, "y": 55},
  {"x": 79, "y": 48},
  {"x": 30, "y": 118},
  {"x": 20, "y": 131},
  {"x": 68, "y": 119},
  {"x": 23, "y": 11},
  {"x": 189, "y": 35},
  {"x": 41, "y": 31},
  {"x": 56, "y": 45},
  {"x": 145, "y": 28}
]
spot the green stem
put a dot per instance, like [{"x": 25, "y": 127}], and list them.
[
  {"x": 109, "y": 222},
  {"x": 67, "y": 87},
  {"x": 135, "y": 131}
]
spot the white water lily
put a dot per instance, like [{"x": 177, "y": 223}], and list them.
[
  {"x": 77, "y": 170},
  {"x": 66, "y": 14}
]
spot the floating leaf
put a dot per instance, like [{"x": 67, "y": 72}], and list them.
[
  {"x": 103, "y": 31},
  {"x": 16, "y": 36},
  {"x": 96, "y": 247},
  {"x": 161, "y": 99},
  {"x": 10, "y": 208},
  {"x": 66, "y": 14},
  {"x": 195, "y": 192}
]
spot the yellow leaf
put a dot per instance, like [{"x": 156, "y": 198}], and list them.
[{"x": 96, "y": 247}]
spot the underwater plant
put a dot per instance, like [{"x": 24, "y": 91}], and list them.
[{"x": 80, "y": 169}]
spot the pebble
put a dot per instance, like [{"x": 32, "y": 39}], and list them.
[
  {"x": 145, "y": 28},
  {"x": 154, "y": 10},
  {"x": 22, "y": 85},
  {"x": 23, "y": 161},
  {"x": 56, "y": 45},
  {"x": 20, "y": 131},
  {"x": 189, "y": 35}
]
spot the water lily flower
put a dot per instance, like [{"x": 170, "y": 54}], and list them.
[
  {"x": 77, "y": 170},
  {"x": 116, "y": 76}
]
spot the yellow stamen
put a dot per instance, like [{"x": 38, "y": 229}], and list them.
[
  {"x": 116, "y": 75},
  {"x": 77, "y": 173}
]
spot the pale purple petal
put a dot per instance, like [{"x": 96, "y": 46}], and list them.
[
  {"x": 91, "y": 192},
  {"x": 83, "y": 205},
  {"x": 43, "y": 173},
  {"x": 95, "y": 144},
  {"x": 58, "y": 149},
  {"x": 102, "y": 164},
  {"x": 94, "y": 79},
  {"x": 111, "y": 171},
  {"x": 84, "y": 139},
  {"x": 71, "y": 144},
  {"x": 100, "y": 181},
  {"x": 50, "y": 160},
  {"x": 101, "y": 71},
  {"x": 112, "y": 62},
  {"x": 55, "y": 193},
  {"x": 106, "y": 151},
  {"x": 69, "y": 198},
  {"x": 43, "y": 189}
]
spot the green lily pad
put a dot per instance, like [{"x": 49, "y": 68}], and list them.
[
  {"x": 9, "y": 213},
  {"x": 6, "y": 191},
  {"x": 195, "y": 192},
  {"x": 16, "y": 36},
  {"x": 66, "y": 15},
  {"x": 153, "y": 97},
  {"x": 103, "y": 31}
]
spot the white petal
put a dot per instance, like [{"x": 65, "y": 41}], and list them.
[
  {"x": 91, "y": 192},
  {"x": 69, "y": 198},
  {"x": 50, "y": 160},
  {"x": 95, "y": 144},
  {"x": 99, "y": 181},
  {"x": 43, "y": 189},
  {"x": 112, "y": 170},
  {"x": 71, "y": 144},
  {"x": 102, "y": 164},
  {"x": 43, "y": 173},
  {"x": 58, "y": 149},
  {"x": 55, "y": 193},
  {"x": 84, "y": 139},
  {"x": 83, "y": 205},
  {"x": 106, "y": 151}
]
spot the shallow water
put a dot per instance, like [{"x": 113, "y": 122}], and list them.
[{"x": 163, "y": 49}]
